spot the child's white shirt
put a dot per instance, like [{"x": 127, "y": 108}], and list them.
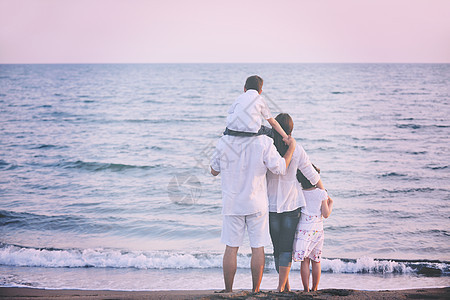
[
  {"x": 246, "y": 112},
  {"x": 314, "y": 200}
]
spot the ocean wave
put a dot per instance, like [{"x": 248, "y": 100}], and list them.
[
  {"x": 414, "y": 94},
  {"x": 340, "y": 93},
  {"x": 48, "y": 146},
  {"x": 8, "y": 165},
  {"x": 98, "y": 166},
  {"x": 411, "y": 190},
  {"x": 116, "y": 226},
  {"x": 15, "y": 255},
  {"x": 417, "y": 126},
  {"x": 433, "y": 167},
  {"x": 64, "y": 223},
  {"x": 416, "y": 152},
  {"x": 411, "y": 126},
  {"x": 145, "y": 121},
  {"x": 393, "y": 174}
]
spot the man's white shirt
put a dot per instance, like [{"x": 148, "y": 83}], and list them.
[{"x": 243, "y": 163}]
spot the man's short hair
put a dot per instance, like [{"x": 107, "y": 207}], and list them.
[{"x": 254, "y": 83}]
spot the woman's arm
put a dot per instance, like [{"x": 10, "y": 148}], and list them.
[
  {"x": 290, "y": 151},
  {"x": 319, "y": 184},
  {"x": 305, "y": 166},
  {"x": 275, "y": 125},
  {"x": 327, "y": 207}
]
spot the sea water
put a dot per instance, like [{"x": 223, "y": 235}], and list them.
[{"x": 105, "y": 184}]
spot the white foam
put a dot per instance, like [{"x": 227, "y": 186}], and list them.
[
  {"x": 364, "y": 265},
  {"x": 11, "y": 255},
  {"x": 103, "y": 258}
]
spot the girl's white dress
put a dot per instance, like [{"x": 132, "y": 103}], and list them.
[{"x": 309, "y": 236}]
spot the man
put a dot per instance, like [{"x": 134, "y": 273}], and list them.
[{"x": 243, "y": 163}]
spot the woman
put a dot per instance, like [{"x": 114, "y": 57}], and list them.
[{"x": 285, "y": 201}]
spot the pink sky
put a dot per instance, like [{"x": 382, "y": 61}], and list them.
[{"x": 139, "y": 31}]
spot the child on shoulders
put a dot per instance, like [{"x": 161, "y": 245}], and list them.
[{"x": 244, "y": 115}]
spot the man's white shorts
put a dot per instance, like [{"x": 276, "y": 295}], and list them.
[{"x": 233, "y": 230}]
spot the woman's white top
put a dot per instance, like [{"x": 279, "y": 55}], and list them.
[
  {"x": 284, "y": 191},
  {"x": 246, "y": 112},
  {"x": 314, "y": 200}
]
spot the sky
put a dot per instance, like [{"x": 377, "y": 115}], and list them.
[{"x": 224, "y": 31}]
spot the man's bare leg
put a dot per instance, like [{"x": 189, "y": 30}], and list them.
[
  {"x": 229, "y": 267},
  {"x": 257, "y": 265}
]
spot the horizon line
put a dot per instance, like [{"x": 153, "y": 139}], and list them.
[{"x": 187, "y": 63}]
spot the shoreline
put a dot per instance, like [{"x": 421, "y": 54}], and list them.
[{"x": 347, "y": 294}]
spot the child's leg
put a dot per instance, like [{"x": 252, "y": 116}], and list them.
[
  {"x": 304, "y": 271},
  {"x": 316, "y": 270}
]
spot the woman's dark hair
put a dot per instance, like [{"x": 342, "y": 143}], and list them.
[
  {"x": 254, "y": 83},
  {"x": 287, "y": 124},
  {"x": 304, "y": 181}
]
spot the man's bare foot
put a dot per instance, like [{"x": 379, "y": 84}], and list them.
[{"x": 223, "y": 291}]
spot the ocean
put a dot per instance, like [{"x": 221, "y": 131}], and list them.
[{"x": 105, "y": 184}]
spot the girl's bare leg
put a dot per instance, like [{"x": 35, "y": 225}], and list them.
[
  {"x": 316, "y": 270},
  {"x": 304, "y": 271},
  {"x": 283, "y": 278}
]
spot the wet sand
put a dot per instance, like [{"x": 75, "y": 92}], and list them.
[{"x": 31, "y": 293}]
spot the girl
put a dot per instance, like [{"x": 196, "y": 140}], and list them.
[
  {"x": 309, "y": 236},
  {"x": 285, "y": 201}
]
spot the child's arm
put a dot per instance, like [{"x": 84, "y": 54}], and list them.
[
  {"x": 214, "y": 172},
  {"x": 275, "y": 125},
  {"x": 327, "y": 207}
]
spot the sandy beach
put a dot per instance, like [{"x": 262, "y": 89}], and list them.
[{"x": 31, "y": 293}]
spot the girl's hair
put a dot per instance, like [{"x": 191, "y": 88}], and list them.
[
  {"x": 287, "y": 124},
  {"x": 304, "y": 181}
]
